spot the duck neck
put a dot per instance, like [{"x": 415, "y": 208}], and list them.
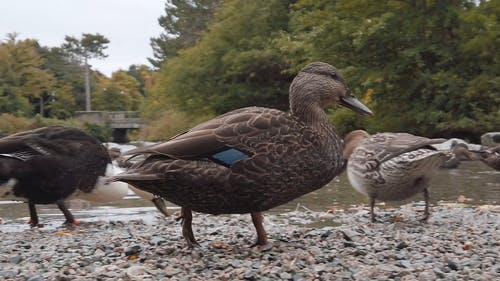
[{"x": 311, "y": 114}]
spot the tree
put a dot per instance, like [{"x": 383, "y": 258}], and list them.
[
  {"x": 183, "y": 21},
  {"x": 235, "y": 64},
  {"x": 144, "y": 75},
  {"x": 410, "y": 59},
  {"x": 89, "y": 46},
  {"x": 22, "y": 80},
  {"x": 121, "y": 92}
]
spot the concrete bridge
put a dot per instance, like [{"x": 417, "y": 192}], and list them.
[{"x": 119, "y": 121}]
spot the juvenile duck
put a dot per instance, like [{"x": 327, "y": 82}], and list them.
[
  {"x": 460, "y": 152},
  {"x": 391, "y": 166},
  {"x": 51, "y": 164},
  {"x": 491, "y": 157},
  {"x": 251, "y": 159}
]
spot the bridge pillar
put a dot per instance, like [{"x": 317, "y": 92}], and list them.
[{"x": 120, "y": 135}]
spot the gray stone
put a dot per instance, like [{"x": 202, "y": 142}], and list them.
[
  {"x": 427, "y": 276},
  {"x": 8, "y": 273},
  {"x": 490, "y": 139},
  {"x": 132, "y": 250},
  {"x": 285, "y": 276},
  {"x": 452, "y": 265},
  {"x": 16, "y": 259}
]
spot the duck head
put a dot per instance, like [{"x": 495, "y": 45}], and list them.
[
  {"x": 318, "y": 85},
  {"x": 352, "y": 140}
]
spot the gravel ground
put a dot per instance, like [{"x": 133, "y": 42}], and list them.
[{"x": 458, "y": 243}]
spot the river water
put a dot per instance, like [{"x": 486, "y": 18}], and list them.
[{"x": 471, "y": 183}]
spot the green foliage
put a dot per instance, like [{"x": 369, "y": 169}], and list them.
[
  {"x": 102, "y": 133},
  {"x": 120, "y": 93},
  {"x": 88, "y": 46},
  {"x": 431, "y": 66},
  {"x": 183, "y": 21},
  {"x": 22, "y": 80},
  {"x": 10, "y": 123},
  {"x": 425, "y": 67},
  {"x": 169, "y": 123},
  {"x": 235, "y": 63}
]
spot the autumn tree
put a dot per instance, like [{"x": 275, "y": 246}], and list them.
[
  {"x": 121, "y": 92},
  {"x": 23, "y": 82}
]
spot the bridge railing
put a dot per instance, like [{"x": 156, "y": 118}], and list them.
[{"x": 115, "y": 119}]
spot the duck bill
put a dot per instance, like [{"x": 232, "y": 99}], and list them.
[{"x": 355, "y": 105}]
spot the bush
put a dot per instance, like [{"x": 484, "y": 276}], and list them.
[
  {"x": 10, "y": 124},
  {"x": 168, "y": 124}
]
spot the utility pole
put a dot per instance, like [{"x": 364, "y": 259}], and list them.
[{"x": 87, "y": 86}]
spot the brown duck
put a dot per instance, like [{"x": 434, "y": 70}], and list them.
[
  {"x": 460, "y": 152},
  {"x": 491, "y": 157},
  {"x": 391, "y": 166},
  {"x": 251, "y": 159}
]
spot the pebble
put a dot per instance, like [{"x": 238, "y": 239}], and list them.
[{"x": 345, "y": 246}]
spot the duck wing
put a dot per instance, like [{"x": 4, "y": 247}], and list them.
[
  {"x": 386, "y": 146},
  {"x": 44, "y": 141},
  {"x": 23, "y": 146},
  {"x": 227, "y": 138}
]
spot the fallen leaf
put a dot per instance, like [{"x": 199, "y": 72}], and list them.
[
  {"x": 397, "y": 219},
  {"x": 132, "y": 257},
  {"x": 221, "y": 245},
  {"x": 467, "y": 245},
  {"x": 331, "y": 210},
  {"x": 68, "y": 232}
]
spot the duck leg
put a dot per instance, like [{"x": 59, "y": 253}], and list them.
[
  {"x": 257, "y": 219},
  {"x": 160, "y": 205},
  {"x": 33, "y": 215},
  {"x": 187, "y": 229},
  {"x": 70, "y": 219},
  {"x": 372, "y": 206},
  {"x": 426, "y": 210}
]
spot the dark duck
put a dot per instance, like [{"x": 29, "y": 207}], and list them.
[
  {"x": 51, "y": 164},
  {"x": 251, "y": 159}
]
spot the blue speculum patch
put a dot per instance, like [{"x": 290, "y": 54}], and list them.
[{"x": 229, "y": 157}]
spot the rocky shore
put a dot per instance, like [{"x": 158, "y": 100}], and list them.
[{"x": 458, "y": 243}]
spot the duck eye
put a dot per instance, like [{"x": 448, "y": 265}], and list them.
[{"x": 333, "y": 75}]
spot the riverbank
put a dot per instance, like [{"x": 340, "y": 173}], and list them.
[{"x": 459, "y": 242}]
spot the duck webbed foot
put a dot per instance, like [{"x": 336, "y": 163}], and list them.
[
  {"x": 187, "y": 229},
  {"x": 70, "y": 219},
  {"x": 257, "y": 220}
]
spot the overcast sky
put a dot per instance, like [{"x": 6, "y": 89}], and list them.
[{"x": 128, "y": 24}]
